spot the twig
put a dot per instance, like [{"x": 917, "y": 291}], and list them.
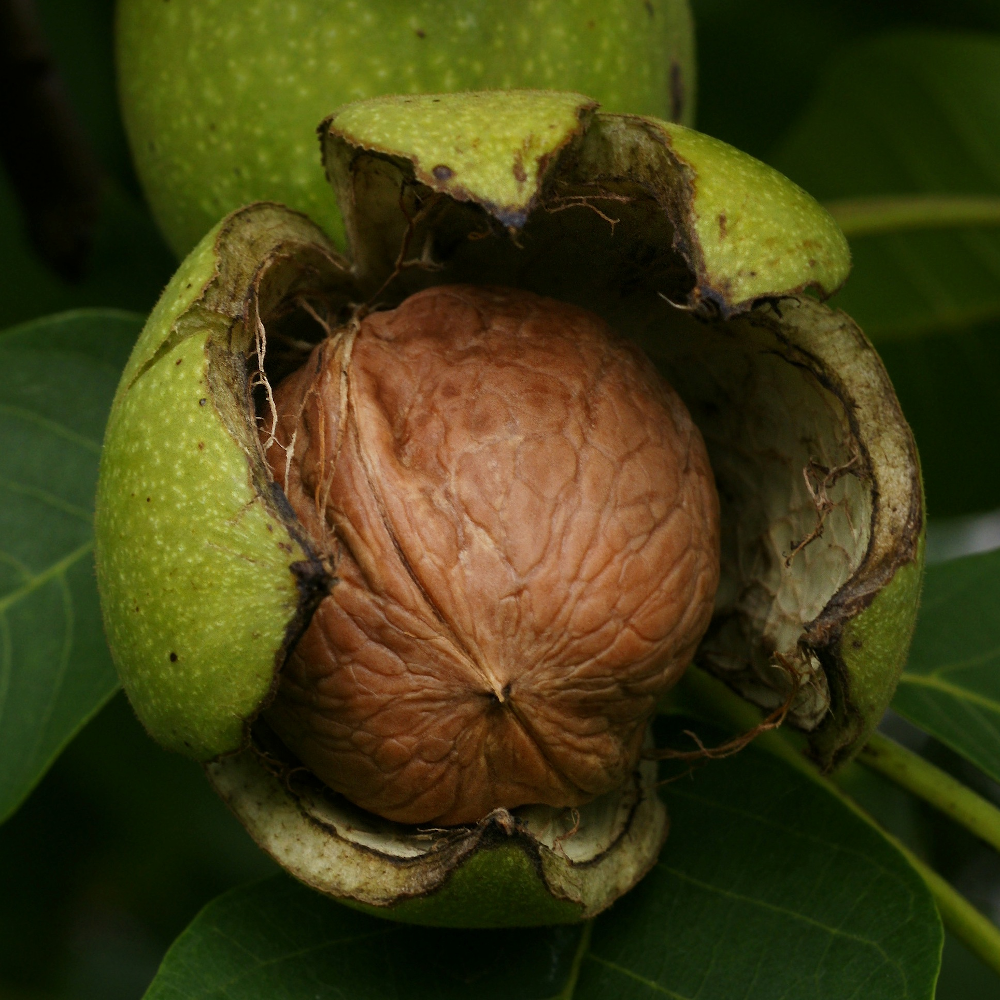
[
  {"x": 900, "y": 213},
  {"x": 931, "y": 784}
]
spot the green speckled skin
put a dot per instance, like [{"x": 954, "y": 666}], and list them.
[
  {"x": 874, "y": 645},
  {"x": 496, "y": 887},
  {"x": 757, "y": 230},
  {"x": 221, "y": 97},
  {"x": 749, "y": 231},
  {"x": 490, "y": 147},
  {"x": 193, "y": 571}
]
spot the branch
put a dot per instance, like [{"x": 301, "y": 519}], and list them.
[
  {"x": 931, "y": 784},
  {"x": 896, "y": 213}
]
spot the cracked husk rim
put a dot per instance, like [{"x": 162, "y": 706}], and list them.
[{"x": 699, "y": 253}]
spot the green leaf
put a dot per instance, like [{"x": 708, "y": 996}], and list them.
[
  {"x": 277, "y": 939},
  {"x": 909, "y": 115},
  {"x": 111, "y": 857},
  {"x": 768, "y": 887},
  {"x": 951, "y": 685},
  {"x": 59, "y": 376}
]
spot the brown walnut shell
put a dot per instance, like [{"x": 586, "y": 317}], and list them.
[{"x": 525, "y": 532}]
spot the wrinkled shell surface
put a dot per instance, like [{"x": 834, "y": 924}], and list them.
[{"x": 524, "y": 527}]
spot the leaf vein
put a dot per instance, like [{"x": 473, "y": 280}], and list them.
[
  {"x": 946, "y": 687},
  {"x": 639, "y": 979},
  {"x": 40, "y": 579},
  {"x": 775, "y": 908},
  {"x": 36, "y": 493},
  {"x": 52, "y": 426}
]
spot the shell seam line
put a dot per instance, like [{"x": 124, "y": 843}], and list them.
[{"x": 353, "y": 428}]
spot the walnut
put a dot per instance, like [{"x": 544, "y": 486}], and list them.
[{"x": 525, "y": 531}]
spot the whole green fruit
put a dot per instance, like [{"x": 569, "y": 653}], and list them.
[{"x": 221, "y": 97}]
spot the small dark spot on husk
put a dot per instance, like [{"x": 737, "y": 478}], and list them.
[{"x": 520, "y": 175}]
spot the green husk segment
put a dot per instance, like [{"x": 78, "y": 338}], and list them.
[
  {"x": 499, "y": 885},
  {"x": 746, "y": 232},
  {"x": 873, "y": 648},
  {"x": 756, "y": 230},
  {"x": 864, "y": 632},
  {"x": 529, "y": 867},
  {"x": 194, "y": 563},
  {"x": 208, "y": 598},
  {"x": 491, "y": 147},
  {"x": 862, "y": 635}
]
